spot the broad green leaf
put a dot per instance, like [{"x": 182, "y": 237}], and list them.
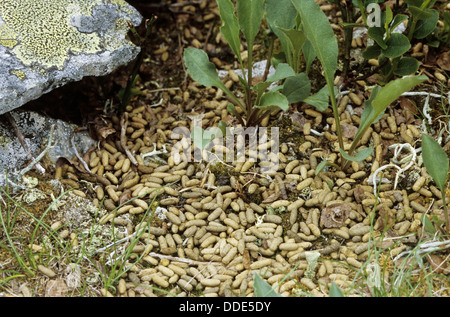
[
  {"x": 297, "y": 88},
  {"x": 230, "y": 26},
  {"x": 416, "y": 3},
  {"x": 319, "y": 32},
  {"x": 384, "y": 97},
  {"x": 406, "y": 66},
  {"x": 397, "y": 45},
  {"x": 435, "y": 160},
  {"x": 281, "y": 14},
  {"x": 250, "y": 13},
  {"x": 368, "y": 106},
  {"x": 389, "y": 17},
  {"x": 320, "y": 99},
  {"x": 283, "y": 71},
  {"x": 203, "y": 71},
  {"x": 232, "y": 109},
  {"x": 376, "y": 33},
  {"x": 419, "y": 14},
  {"x": 372, "y": 51},
  {"x": 295, "y": 40},
  {"x": 335, "y": 291},
  {"x": 262, "y": 288},
  {"x": 426, "y": 27},
  {"x": 273, "y": 99},
  {"x": 360, "y": 156},
  {"x": 309, "y": 54},
  {"x": 428, "y": 226},
  {"x": 399, "y": 18}
]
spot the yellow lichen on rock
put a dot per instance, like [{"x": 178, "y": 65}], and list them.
[
  {"x": 19, "y": 74},
  {"x": 44, "y": 30},
  {"x": 7, "y": 36}
]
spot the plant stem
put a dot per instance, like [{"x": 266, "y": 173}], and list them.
[
  {"x": 348, "y": 34},
  {"x": 336, "y": 115},
  {"x": 249, "y": 79}
]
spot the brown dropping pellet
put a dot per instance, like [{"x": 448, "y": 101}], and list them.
[
  {"x": 260, "y": 264},
  {"x": 257, "y": 208},
  {"x": 273, "y": 219},
  {"x": 160, "y": 281},
  {"x": 46, "y": 271},
  {"x": 109, "y": 204},
  {"x": 112, "y": 178},
  {"x": 215, "y": 227},
  {"x": 169, "y": 201}
]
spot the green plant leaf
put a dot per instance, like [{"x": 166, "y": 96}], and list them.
[
  {"x": 250, "y": 13},
  {"x": 428, "y": 225},
  {"x": 397, "y": 45},
  {"x": 383, "y": 97},
  {"x": 335, "y": 291},
  {"x": 399, "y": 18},
  {"x": 427, "y": 26},
  {"x": 283, "y": 71},
  {"x": 203, "y": 71},
  {"x": 319, "y": 32},
  {"x": 281, "y": 14},
  {"x": 376, "y": 33},
  {"x": 320, "y": 167},
  {"x": 309, "y": 54},
  {"x": 295, "y": 39},
  {"x": 297, "y": 88},
  {"x": 419, "y": 14},
  {"x": 360, "y": 156},
  {"x": 416, "y": 3},
  {"x": 372, "y": 51},
  {"x": 435, "y": 160},
  {"x": 389, "y": 16},
  {"x": 230, "y": 26},
  {"x": 406, "y": 66},
  {"x": 262, "y": 288},
  {"x": 320, "y": 99},
  {"x": 273, "y": 99}
]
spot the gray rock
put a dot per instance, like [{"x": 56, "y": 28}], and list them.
[
  {"x": 36, "y": 131},
  {"x": 46, "y": 44}
]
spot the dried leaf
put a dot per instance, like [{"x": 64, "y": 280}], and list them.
[
  {"x": 437, "y": 263},
  {"x": 358, "y": 192},
  {"x": 334, "y": 216},
  {"x": 444, "y": 61},
  {"x": 56, "y": 288}
]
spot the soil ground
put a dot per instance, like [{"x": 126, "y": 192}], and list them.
[{"x": 206, "y": 228}]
